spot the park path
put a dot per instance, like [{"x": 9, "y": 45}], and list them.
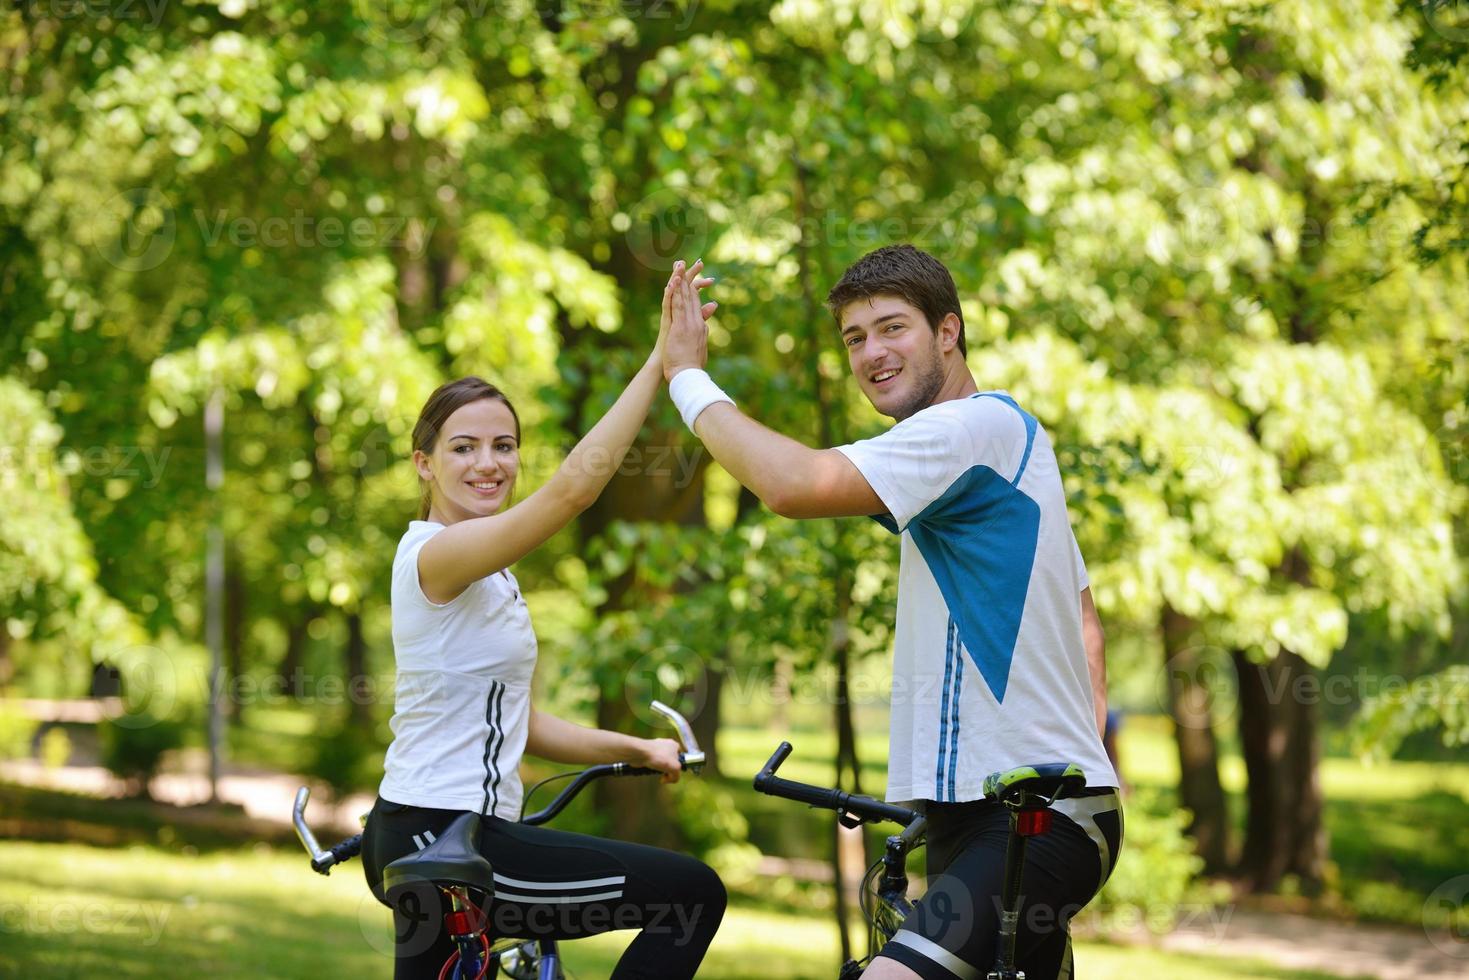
[
  {"x": 1286, "y": 940},
  {"x": 263, "y": 794},
  {"x": 1347, "y": 949}
]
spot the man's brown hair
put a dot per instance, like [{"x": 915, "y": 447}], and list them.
[{"x": 912, "y": 275}]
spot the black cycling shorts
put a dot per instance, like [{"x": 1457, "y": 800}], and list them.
[
  {"x": 953, "y": 930},
  {"x": 550, "y": 884}
]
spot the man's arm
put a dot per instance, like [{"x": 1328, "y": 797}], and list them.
[
  {"x": 791, "y": 479},
  {"x": 1096, "y": 644}
]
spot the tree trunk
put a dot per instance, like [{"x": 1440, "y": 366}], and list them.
[
  {"x": 1284, "y": 833},
  {"x": 290, "y": 665},
  {"x": 706, "y": 722},
  {"x": 7, "y": 666},
  {"x": 1190, "y": 702},
  {"x": 234, "y": 639},
  {"x": 355, "y": 661}
]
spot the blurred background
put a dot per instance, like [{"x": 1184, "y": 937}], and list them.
[{"x": 1217, "y": 248}]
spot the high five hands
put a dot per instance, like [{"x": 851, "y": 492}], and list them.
[{"x": 683, "y": 334}]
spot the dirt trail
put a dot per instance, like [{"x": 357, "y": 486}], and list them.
[{"x": 1301, "y": 942}]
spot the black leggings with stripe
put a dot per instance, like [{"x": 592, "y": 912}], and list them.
[
  {"x": 550, "y": 884},
  {"x": 951, "y": 933}
]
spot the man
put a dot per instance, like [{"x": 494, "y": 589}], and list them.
[{"x": 997, "y": 658}]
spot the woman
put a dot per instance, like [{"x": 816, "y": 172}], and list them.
[{"x": 463, "y": 715}]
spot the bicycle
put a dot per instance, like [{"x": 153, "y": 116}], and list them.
[
  {"x": 453, "y": 865},
  {"x": 1026, "y": 791}
]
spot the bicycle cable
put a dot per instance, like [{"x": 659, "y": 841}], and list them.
[{"x": 525, "y": 801}]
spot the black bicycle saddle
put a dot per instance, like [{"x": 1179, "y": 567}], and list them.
[{"x": 452, "y": 859}]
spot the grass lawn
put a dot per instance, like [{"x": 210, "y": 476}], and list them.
[{"x": 68, "y": 910}]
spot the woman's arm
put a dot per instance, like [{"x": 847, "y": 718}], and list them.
[
  {"x": 469, "y": 550},
  {"x": 559, "y": 740}
]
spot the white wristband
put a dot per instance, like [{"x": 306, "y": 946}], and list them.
[{"x": 693, "y": 391}]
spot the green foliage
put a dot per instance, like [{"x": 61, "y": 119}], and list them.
[
  {"x": 346, "y": 759},
  {"x": 133, "y": 747},
  {"x": 17, "y": 730},
  {"x": 714, "y": 829},
  {"x": 1157, "y": 875},
  {"x": 1438, "y": 701},
  {"x": 55, "y": 748}
]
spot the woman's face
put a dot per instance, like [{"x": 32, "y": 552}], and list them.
[{"x": 472, "y": 468}]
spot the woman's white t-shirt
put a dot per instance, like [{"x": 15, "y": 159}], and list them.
[{"x": 461, "y": 708}]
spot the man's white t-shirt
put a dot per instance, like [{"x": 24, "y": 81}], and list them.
[
  {"x": 989, "y": 668},
  {"x": 461, "y": 709}
]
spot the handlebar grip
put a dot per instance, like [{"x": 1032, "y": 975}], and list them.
[
  {"x": 782, "y": 751},
  {"x": 336, "y": 854},
  {"x": 829, "y": 799},
  {"x": 639, "y": 771}
]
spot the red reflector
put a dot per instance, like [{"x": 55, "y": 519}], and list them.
[
  {"x": 459, "y": 923},
  {"x": 1032, "y": 823}
]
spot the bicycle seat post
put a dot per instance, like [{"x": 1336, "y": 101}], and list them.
[{"x": 1029, "y": 817}]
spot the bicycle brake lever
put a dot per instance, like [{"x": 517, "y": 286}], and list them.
[{"x": 692, "y": 756}]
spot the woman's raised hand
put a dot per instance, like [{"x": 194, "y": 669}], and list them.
[{"x": 689, "y": 343}]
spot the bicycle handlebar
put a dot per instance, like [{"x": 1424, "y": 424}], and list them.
[
  {"x": 321, "y": 861},
  {"x": 691, "y": 759},
  {"x": 862, "y": 807}
]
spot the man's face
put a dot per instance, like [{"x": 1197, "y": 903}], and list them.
[{"x": 895, "y": 355}]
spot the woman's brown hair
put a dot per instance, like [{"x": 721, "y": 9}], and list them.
[{"x": 447, "y": 399}]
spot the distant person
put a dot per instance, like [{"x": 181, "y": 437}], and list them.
[
  {"x": 1109, "y": 742},
  {"x": 463, "y": 716},
  {"x": 997, "y": 658}
]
